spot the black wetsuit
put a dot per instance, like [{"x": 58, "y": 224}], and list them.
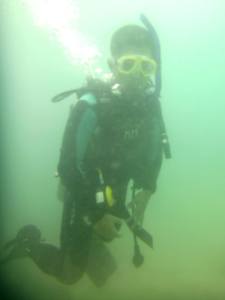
[
  {"x": 120, "y": 137},
  {"x": 123, "y": 139}
]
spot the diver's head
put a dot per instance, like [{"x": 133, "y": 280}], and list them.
[{"x": 133, "y": 63}]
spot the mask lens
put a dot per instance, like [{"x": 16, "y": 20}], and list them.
[
  {"x": 127, "y": 64},
  {"x": 147, "y": 67}
]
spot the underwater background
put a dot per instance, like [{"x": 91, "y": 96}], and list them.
[{"x": 187, "y": 214}]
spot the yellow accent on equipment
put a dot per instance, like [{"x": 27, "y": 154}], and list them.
[{"x": 109, "y": 196}]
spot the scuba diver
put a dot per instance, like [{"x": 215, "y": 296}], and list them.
[{"x": 115, "y": 134}]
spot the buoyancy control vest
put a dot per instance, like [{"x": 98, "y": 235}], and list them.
[{"x": 108, "y": 100}]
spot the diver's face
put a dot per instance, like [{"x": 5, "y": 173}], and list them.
[{"x": 134, "y": 71}]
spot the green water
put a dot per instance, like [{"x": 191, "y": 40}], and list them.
[{"x": 186, "y": 215}]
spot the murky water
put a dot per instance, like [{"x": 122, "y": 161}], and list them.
[{"x": 186, "y": 215}]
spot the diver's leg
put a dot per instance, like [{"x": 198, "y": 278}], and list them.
[
  {"x": 73, "y": 236},
  {"x": 28, "y": 244},
  {"x": 101, "y": 264},
  {"x": 83, "y": 250},
  {"x": 48, "y": 258},
  {"x": 68, "y": 263}
]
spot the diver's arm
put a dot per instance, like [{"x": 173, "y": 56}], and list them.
[
  {"x": 150, "y": 166},
  {"x": 146, "y": 179},
  {"x": 79, "y": 129},
  {"x": 149, "y": 183}
]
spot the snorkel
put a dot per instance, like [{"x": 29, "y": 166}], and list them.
[{"x": 156, "y": 51}]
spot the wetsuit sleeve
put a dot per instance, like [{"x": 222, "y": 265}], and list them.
[
  {"x": 149, "y": 167},
  {"x": 78, "y": 132}
]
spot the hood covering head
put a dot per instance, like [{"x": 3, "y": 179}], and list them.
[
  {"x": 142, "y": 40},
  {"x": 130, "y": 38}
]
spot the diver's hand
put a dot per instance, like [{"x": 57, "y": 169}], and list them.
[
  {"x": 107, "y": 227},
  {"x": 139, "y": 204}
]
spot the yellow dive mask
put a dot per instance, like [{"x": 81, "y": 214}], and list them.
[{"x": 133, "y": 64}]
